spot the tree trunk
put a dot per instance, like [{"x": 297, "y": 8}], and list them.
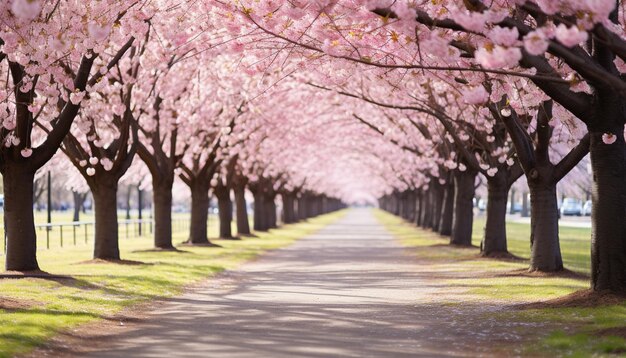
[
  {"x": 199, "y": 213},
  {"x": 106, "y": 246},
  {"x": 544, "y": 228},
  {"x": 463, "y": 220},
  {"x": 243, "y": 227},
  {"x": 525, "y": 212},
  {"x": 19, "y": 220},
  {"x": 260, "y": 212},
  {"x": 224, "y": 207},
  {"x": 271, "y": 213},
  {"x": 162, "y": 197},
  {"x": 608, "y": 229},
  {"x": 447, "y": 211},
  {"x": 79, "y": 201},
  {"x": 288, "y": 208},
  {"x": 437, "y": 197},
  {"x": 494, "y": 240},
  {"x": 419, "y": 198},
  {"x": 426, "y": 209},
  {"x": 129, "y": 192}
]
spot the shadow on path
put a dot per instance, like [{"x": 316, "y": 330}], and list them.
[{"x": 348, "y": 291}]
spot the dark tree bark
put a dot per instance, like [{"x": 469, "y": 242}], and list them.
[
  {"x": 608, "y": 231},
  {"x": 437, "y": 193},
  {"x": 199, "y": 212},
  {"x": 264, "y": 204},
  {"x": 224, "y": 206},
  {"x": 271, "y": 212},
  {"x": 544, "y": 237},
  {"x": 288, "y": 207},
  {"x": 79, "y": 203},
  {"x": 260, "y": 212},
  {"x": 494, "y": 241},
  {"x": 447, "y": 213},
  {"x": 162, "y": 198},
  {"x": 243, "y": 226},
  {"x": 427, "y": 210},
  {"x": 19, "y": 219},
  {"x": 463, "y": 207},
  {"x": 106, "y": 246},
  {"x": 419, "y": 211}
]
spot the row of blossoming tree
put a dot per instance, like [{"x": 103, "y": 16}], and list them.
[
  {"x": 503, "y": 88},
  {"x": 146, "y": 91},
  {"x": 412, "y": 102}
]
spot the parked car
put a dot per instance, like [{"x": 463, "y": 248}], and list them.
[
  {"x": 587, "y": 208},
  {"x": 571, "y": 206}
]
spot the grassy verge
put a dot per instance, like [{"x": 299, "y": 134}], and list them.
[
  {"x": 82, "y": 234},
  {"x": 43, "y": 307},
  {"x": 577, "y": 332},
  {"x": 575, "y": 243}
]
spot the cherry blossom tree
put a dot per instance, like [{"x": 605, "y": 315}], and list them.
[{"x": 50, "y": 65}]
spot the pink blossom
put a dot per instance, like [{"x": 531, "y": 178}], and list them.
[
  {"x": 609, "y": 138},
  {"x": 435, "y": 46},
  {"x": 492, "y": 171},
  {"x": 91, "y": 172},
  {"x": 9, "y": 123},
  {"x": 472, "y": 21},
  {"x": 107, "y": 164},
  {"x": 498, "y": 57},
  {"x": 536, "y": 43},
  {"x": 26, "y": 152},
  {"x": 549, "y": 6},
  {"x": 77, "y": 97},
  {"x": 570, "y": 36},
  {"x": 504, "y": 36},
  {"x": 97, "y": 32},
  {"x": 26, "y": 9},
  {"x": 403, "y": 11},
  {"x": 475, "y": 95}
]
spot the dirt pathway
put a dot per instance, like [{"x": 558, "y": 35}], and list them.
[{"x": 348, "y": 291}]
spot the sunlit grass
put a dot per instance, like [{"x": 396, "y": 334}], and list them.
[
  {"x": 81, "y": 235},
  {"x": 575, "y": 243},
  {"x": 491, "y": 280},
  {"x": 100, "y": 290}
]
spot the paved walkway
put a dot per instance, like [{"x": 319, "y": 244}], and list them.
[{"x": 348, "y": 291}]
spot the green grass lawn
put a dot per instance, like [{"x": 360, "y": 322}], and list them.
[
  {"x": 575, "y": 243},
  {"x": 99, "y": 290},
  {"x": 80, "y": 235},
  {"x": 591, "y": 331}
]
